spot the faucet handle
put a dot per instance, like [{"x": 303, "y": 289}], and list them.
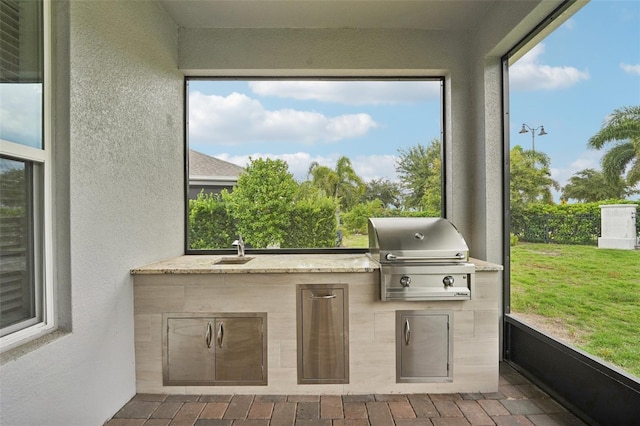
[{"x": 240, "y": 246}]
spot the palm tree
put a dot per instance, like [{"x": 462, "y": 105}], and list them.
[
  {"x": 342, "y": 183},
  {"x": 622, "y": 128},
  {"x": 350, "y": 187},
  {"x": 323, "y": 177}
]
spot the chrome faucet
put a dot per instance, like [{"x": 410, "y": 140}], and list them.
[{"x": 239, "y": 243}]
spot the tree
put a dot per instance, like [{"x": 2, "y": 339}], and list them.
[
  {"x": 357, "y": 219},
  {"x": 12, "y": 188},
  {"x": 322, "y": 177},
  {"x": 387, "y": 192},
  {"x": 530, "y": 178},
  {"x": 14, "y": 214},
  {"x": 591, "y": 185},
  {"x": 343, "y": 183},
  {"x": 262, "y": 202},
  {"x": 622, "y": 129},
  {"x": 419, "y": 169},
  {"x": 431, "y": 201}
]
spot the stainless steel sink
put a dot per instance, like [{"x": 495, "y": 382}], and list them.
[{"x": 235, "y": 260}]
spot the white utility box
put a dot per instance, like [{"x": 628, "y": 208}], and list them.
[{"x": 618, "y": 226}]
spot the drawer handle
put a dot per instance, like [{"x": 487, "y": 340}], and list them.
[
  {"x": 407, "y": 332},
  {"x": 220, "y": 334},
  {"x": 208, "y": 335},
  {"x": 331, "y": 296}
]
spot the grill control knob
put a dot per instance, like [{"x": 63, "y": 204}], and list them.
[
  {"x": 405, "y": 281},
  {"x": 448, "y": 281}
]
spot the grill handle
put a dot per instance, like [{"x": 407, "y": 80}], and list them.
[{"x": 391, "y": 256}]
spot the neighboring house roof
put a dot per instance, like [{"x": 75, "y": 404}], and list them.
[{"x": 203, "y": 167}]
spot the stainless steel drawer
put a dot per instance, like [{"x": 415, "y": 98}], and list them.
[{"x": 323, "y": 334}]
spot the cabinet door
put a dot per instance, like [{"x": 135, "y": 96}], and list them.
[
  {"x": 323, "y": 324},
  {"x": 208, "y": 349},
  {"x": 240, "y": 350},
  {"x": 423, "y": 346},
  {"x": 189, "y": 351}
]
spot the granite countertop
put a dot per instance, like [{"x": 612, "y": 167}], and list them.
[
  {"x": 484, "y": 266},
  {"x": 275, "y": 264}
]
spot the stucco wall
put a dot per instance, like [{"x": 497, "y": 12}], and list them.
[
  {"x": 360, "y": 53},
  {"x": 122, "y": 161},
  {"x": 472, "y": 97},
  {"x": 318, "y": 52}
]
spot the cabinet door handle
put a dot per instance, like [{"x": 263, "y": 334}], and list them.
[
  {"x": 331, "y": 296},
  {"x": 220, "y": 334},
  {"x": 207, "y": 337},
  {"x": 407, "y": 332}
]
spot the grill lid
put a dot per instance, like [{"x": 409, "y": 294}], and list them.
[{"x": 416, "y": 239}]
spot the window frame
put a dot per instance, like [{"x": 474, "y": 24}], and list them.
[
  {"x": 41, "y": 197},
  {"x": 329, "y": 250}
]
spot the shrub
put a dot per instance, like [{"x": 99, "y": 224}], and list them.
[
  {"x": 356, "y": 220},
  {"x": 262, "y": 202},
  {"x": 210, "y": 224},
  {"x": 283, "y": 216},
  {"x": 313, "y": 223},
  {"x": 564, "y": 223}
]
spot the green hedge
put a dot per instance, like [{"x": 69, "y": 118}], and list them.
[
  {"x": 563, "y": 224},
  {"x": 356, "y": 221},
  {"x": 313, "y": 224},
  {"x": 212, "y": 225}
]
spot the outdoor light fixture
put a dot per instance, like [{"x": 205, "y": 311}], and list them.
[{"x": 527, "y": 129}]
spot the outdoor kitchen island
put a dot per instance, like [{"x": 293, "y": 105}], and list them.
[{"x": 187, "y": 308}]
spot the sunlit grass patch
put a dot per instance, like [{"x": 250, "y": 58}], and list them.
[{"x": 590, "y": 293}]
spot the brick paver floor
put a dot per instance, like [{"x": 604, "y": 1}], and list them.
[{"x": 518, "y": 402}]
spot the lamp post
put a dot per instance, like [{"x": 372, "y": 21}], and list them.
[{"x": 526, "y": 129}]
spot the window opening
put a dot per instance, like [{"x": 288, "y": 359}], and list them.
[
  {"x": 300, "y": 164},
  {"x": 26, "y": 300},
  {"x": 570, "y": 116}
]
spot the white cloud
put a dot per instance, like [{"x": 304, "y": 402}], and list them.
[
  {"x": 20, "y": 108},
  {"x": 569, "y": 24},
  {"x": 368, "y": 167},
  {"x": 529, "y": 74},
  {"x": 298, "y": 162},
  {"x": 237, "y": 118},
  {"x": 631, "y": 69},
  {"x": 585, "y": 160},
  {"x": 350, "y": 92}
]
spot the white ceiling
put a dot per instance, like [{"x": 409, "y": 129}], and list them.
[{"x": 414, "y": 14}]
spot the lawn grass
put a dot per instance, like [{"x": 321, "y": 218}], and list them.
[
  {"x": 594, "y": 294},
  {"x": 355, "y": 241}
]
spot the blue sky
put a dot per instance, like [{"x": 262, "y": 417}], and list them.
[
  {"x": 568, "y": 83},
  {"x": 304, "y": 121},
  {"x": 573, "y": 79}
]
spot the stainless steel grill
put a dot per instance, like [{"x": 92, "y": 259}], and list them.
[{"x": 420, "y": 259}]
